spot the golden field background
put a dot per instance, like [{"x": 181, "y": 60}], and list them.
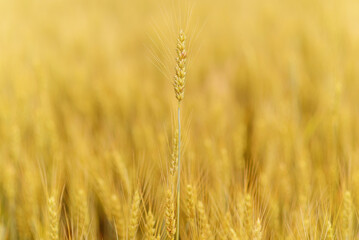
[{"x": 270, "y": 119}]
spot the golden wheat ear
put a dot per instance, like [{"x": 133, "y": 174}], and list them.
[
  {"x": 135, "y": 215},
  {"x": 174, "y": 155},
  {"x": 180, "y": 77},
  {"x": 330, "y": 232},
  {"x": 117, "y": 216},
  {"x": 81, "y": 211},
  {"x": 257, "y": 230},
  {"x": 53, "y": 218},
  {"x": 150, "y": 229},
  {"x": 170, "y": 215},
  {"x": 190, "y": 203},
  {"x": 204, "y": 227}
]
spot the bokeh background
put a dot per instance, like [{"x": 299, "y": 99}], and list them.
[{"x": 270, "y": 115}]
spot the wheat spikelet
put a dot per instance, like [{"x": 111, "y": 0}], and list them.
[
  {"x": 116, "y": 212},
  {"x": 53, "y": 218},
  {"x": 205, "y": 229},
  {"x": 174, "y": 155},
  {"x": 170, "y": 215},
  {"x": 257, "y": 231},
  {"x": 135, "y": 215},
  {"x": 180, "y": 76},
  {"x": 150, "y": 230}
]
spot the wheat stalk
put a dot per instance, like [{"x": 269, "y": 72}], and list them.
[{"x": 179, "y": 85}]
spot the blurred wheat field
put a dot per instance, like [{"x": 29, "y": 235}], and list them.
[{"x": 269, "y": 122}]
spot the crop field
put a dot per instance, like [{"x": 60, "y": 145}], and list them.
[{"x": 179, "y": 120}]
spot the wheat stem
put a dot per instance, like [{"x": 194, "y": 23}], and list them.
[{"x": 179, "y": 174}]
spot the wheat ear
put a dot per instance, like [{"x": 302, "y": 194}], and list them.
[
  {"x": 190, "y": 203},
  {"x": 205, "y": 229},
  {"x": 150, "y": 227},
  {"x": 53, "y": 226},
  {"x": 257, "y": 231},
  {"x": 122, "y": 173},
  {"x": 227, "y": 220},
  {"x": 247, "y": 215},
  {"x": 82, "y": 215},
  {"x": 135, "y": 215},
  {"x": 174, "y": 155},
  {"x": 170, "y": 215},
  {"x": 233, "y": 234},
  {"x": 116, "y": 212},
  {"x": 180, "y": 77},
  {"x": 330, "y": 233}
]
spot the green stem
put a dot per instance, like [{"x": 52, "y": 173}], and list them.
[{"x": 178, "y": 173}]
